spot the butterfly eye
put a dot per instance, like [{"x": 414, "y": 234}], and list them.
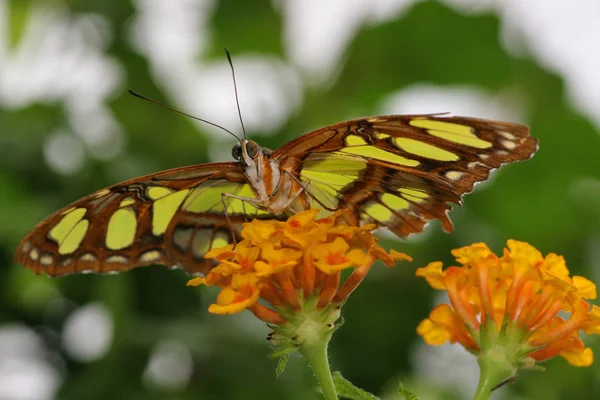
[
  {"x": 236, "y": 151},
  {"x": 252, "y": 148}
]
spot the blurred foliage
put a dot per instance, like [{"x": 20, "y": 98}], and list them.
[{"x": 536, "y": 201}]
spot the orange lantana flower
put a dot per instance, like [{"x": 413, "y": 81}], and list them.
[
  {"x": 516, "y": 303},
  {"x": 284, "y": 263},
  {"x": 289, "y": 274}
]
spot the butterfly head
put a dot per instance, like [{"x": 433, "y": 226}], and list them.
[
  {"x": 248, "y": 153},
  {"x": 257, "y": 166}
]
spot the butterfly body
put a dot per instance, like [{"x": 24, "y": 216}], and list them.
[
  {"x": 397, "y": 172},
  {"x": 274, "y": 191}
]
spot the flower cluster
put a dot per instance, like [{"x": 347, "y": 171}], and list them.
[
  {"x": 286, "y": 262},
  {"x": 517, "y": 300}
]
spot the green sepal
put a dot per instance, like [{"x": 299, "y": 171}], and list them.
[
  {"x": 346, "y": 389},
  {"x": 282, "y": 352},
  {"x": 281, "y": 364},
  {"x": 339, "y": 324}
]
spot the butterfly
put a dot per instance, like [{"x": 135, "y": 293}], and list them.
[{"x": 397, "y": 172}]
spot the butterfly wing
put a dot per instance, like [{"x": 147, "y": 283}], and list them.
[
  {"x": 401, "y": 171},
  {"x": 395, "y": 171},
  {"x": 170, "y": 218}
]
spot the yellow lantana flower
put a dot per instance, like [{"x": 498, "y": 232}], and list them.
[{"x": 510, "y": 308}]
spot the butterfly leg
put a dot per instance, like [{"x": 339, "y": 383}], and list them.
[
  {"x": 307, "y": 205},
  {"x": 257, "y": 203},
  {"x": 294, "y": 198},
  {"x": 245, "y": 213},
  {"x": 306, "y": 188}
]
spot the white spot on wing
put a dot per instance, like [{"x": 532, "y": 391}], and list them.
[
  {"x": 117, "y": 259},
  {"x": 150, "y": 256},
  {"x": 507, "y": 135},
  {"x": 46, "y": 259},
  {"x": 26, "y": 247},
  {"x": 454, "y": 175},
  {"x": 508, "y": 144},
  {"x": 88, "y": 257},
  {"x": 101, "y": 193}
]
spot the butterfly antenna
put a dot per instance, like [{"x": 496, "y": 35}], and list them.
[
  {"x": 182, "y": 113},
  {"x": 237, "y": 100}
]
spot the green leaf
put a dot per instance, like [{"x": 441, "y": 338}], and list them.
[
  {"x": 346, "y": 389},
  {"x": 408, "y": 395}
]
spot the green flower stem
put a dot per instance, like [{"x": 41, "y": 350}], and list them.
[
  {"x": 495, "y": 368},
  {"x": 315, "y": 352}
]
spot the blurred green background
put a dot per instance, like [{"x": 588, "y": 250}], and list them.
[{"x": 68, "y": 127}]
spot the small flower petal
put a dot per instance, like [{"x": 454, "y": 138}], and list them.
[
  {"x": 433, "y": 274},
  {"x": 221, "y": 252},
  {"x": 197, "y": 281},
  {"x": 472, "y": 253},
  {"x": 230, "y": 301},
  {"x": 524, "y": 251},
  {"x": 585, "y": 287},
  {"x": 583, "y": 358},
  {"x": 259, "y": 231},
  {"x": 436, "y": 330}
]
